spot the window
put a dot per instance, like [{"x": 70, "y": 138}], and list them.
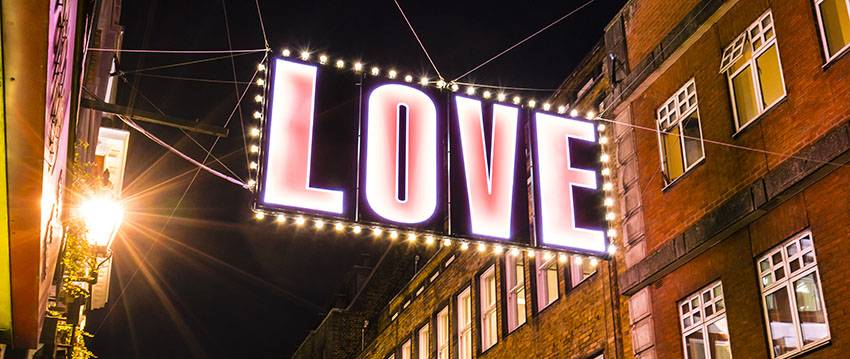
[
  {"x": 680, "y": 133},
  {"x": 515, "y": 282},
  {"x": 547, "y": 280},
  {"x": 464, "y": 325},
  {"x": 704, "y": 329},
  {"x": 443, "y": 334},
  {"x": 752, "y": 66},
  {"x": 792, "y": 297},
  {"x": 489, "y": 332},
  {"x": 423, "y": 342},
  {"x": 581, "y": 269},
  {"x": 406, "y": 350},
  {"x": 834, "y": 20}
]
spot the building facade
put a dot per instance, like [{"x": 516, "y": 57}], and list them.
[{"x": 731, "y": 128}]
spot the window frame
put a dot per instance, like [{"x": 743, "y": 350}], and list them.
[
  {"x": 465, "y": 329},
  {"x": 512, "y": 291},
  {"x": 822, "y": 31},
  {"x": 665, "y": 120},
  {"x": 426, "y": 353},
  {"x": 541, "y": 266},
  {"x": 574, "y": 270},
  {"x": 447, "y": 327},
  {"x": 732, "y": 72},
  {"x": 786, "y": 283},
  {"x": 488, "y": 312},
  {"x": 409, "y": 351},
  {"x": 705, "y": 320}
]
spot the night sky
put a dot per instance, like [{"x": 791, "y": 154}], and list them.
[{"x": 216, "y": 283}]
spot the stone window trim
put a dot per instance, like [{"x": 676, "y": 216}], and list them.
[
  {"x": 781, "y": 267},
  {"x": 671, "y": 119},
  {"x": 757, "y": 40},
  {"x": 698, "y": 312},
  {"x": 831, "y": 56}
]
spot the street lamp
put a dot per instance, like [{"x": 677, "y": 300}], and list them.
[{"x": 102, "y": 217}]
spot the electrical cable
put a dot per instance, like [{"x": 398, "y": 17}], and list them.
[
  {"x": 176, "y": 51},
  {"x": 417, "y": 39},
  {"x": 190, "y": 79},
  {"x": 524, "y": 40},
  {"x": 236, "y": 87},
  {"x": 187, "y": 62}
]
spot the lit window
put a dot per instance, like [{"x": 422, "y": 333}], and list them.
[
  {"x": 547, "y": 279},
  {"x": 443, "y": 334},
  {"x": 680, "y": 133},
  {"x": 834, "y": 20},
  {"x": 581, "y": 269},
  {"x": 391, "y": 356},
  {"x": 704, "y": 329},
  {"x": 405, "y": 350},
  {"x": 515, "y": 282},
  {"x": 489, "y": 331},
  {"x": 792, "y": 297},
  {"x": 423, "y": 342},
  {"x": 751, "y": 63},
  {"x": 464, "y": 325}
]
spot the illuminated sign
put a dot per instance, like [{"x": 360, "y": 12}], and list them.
[{"x": 382, "y": 152}]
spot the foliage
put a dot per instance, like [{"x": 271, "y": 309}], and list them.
[{"x": 69, "y": 333}]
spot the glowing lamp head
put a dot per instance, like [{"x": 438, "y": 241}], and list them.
[
  {"x": 481, "y": 247},
  {"x": 562, "y": 109},
  {"x": 530, "y": 254},
  {"x": 501, "y": 97},
  {"x": 532, "y": 103},
  {"x": 546, "y": 106},
  {"x": 593, "y": 262},
  {"x": 286, "y": 52},
  {"x": 377, "y": 231},
  {"x": 393, "y": 234},
  {"x": 299, "y": 221},
  {"x": 261, "y": 82},
  {"x": 464, "y": 246},
  {"x": 255, "y": 148},
  {"x": 102, "y": 217},
  {"x": 612, "y": 249},
  {"x": 280, "y": 218},
  {"x": 255, "y": 132},
  {"x": 258, "y": 98},
  {"x": 323, "y": 59},
  {"x": 340, "y": 64},
  {"x": 562, "y": 258},
  {"x": 514, "y": 252},
  {"x": 470, "y": 90},
  {"x": 601, "y": 127},
  {"x": 259, "y": 215},
  {"x": 261, "y": 67},
  {"x": 547, "y": 256},
  {"x": 487, "y": 94},
  {"x": 356, "y": 229},
  {"x": 612, "y": 233},
  {"x": 319, "y": 223},
  {"x": 393, "y": 74},
  {"x": 429, "y": 239},
  {"x": 590, "y": 115},
  {"x": 358, "y": 66},
  {"x": 574, "y": 113},
  {"x": 305, "y": 55},
  {"x": 375, "y": 71},
  {"x": 577, "y": 259},
  {"x": 517, "y": 99},
  {"x": 498, "y": 249},
  {"x": 441, "y": 83},
  {"x": 338, "y": 227},
  {"x": 455, "y": 87},
  {"x": 447, "y": 242},
  {"x": 423, "y": 81},
  {"x": 411, "y": 237}
]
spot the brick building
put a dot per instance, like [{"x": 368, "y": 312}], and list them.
[{"x": 731, "y": 129}]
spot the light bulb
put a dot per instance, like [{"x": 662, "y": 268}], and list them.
[
  {"x": 590, "y": 115},
  {"x": 546, "y": 106},
  {"x": 286, "y": 52},
  {"x": 601, "y": 127},
  {"x": 340, "y": 64},
  {"x": 408, "y": 78},
  {"x": 305, "y": 55},
  {"x": 356, "y": 229},
  {"x": 517, "y": 99},
  {"x": 447, "y": 242},
  {"x": 577, "y": 260},
  {"x": 358, "y": 66},
  {"x": 441, "y": 83},
  {"x": 258, "y": 98},
  {"x": 261, "y": 67},
  {"x": 338, "y": 227},
  {"x": 470, "y": 90},
  {"x": 375, "y": 71},
  {"x": 261, "y": 82},
  {"x": 562, "y": 258},
  {"x": 377, "y": 231},
  {"x": 299, "y": 221},
  {"x": 501, "y": 97},
  {"x": 255, "y": 132},
  {"x": 260, "y": 215},
  {"x": 609, "y": 202},
  {"x": 530, "y": 254},
  {"x": 604, "y": 157},
  {"x": 464, "y": 246},
  {"x": 514, "y": 252},
  {"x": 532, "y": 103},
  {"x": 610, "y": 216},
  {"x": 455, "y": 87},
  {"x": 547, "y": 256},
  {"x": 411, "y": 237},
  {"x": 593, "y": 262},
  {"x": 423, "y": 81},
  {"x": 393, "y": 234},
  {"x": 429, "y": 239},
  {"x": 603, "y": 140},
  {"x": 323, "y": 59},
  {"x": 253, "y": 165},
  {"x": 607, "y": 186},
  {"x": 498, "y": 249},
  {"x": 280, "y": 218},
  {"x": 612, "y": 249},
  {"x": 487, "y": 94},
  {"x": 393, "y": 74},
  {"x": 612, "y": 233},
  {"x": 562, "y": 109},
  {"x": 481, "y": 247},
  {"x": 255, "y": 148},
  {"x": 320, "y": 223}
]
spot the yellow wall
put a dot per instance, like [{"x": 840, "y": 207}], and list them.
[{"x": 5, "y": 279}]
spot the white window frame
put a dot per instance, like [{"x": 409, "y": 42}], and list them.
[
  {"x": 514, "y": 288},
  {"x": 488, "y": 307},
  {"x": 576, "y": 275},
  {"x": 423, "y": 342},
  {"x": 701, "y": 324},
  {"x": 786, "y": 282},
  {"x": 766, "y": 34},
  {"x": 407, "y": 349},
  {"x": 443, "y": 336},
  {"x": 678, "y": 107},
  {"x": 541, "y": 272},
  {"x": 464, "y": 329},
  {"x": 822, "y": 30}
]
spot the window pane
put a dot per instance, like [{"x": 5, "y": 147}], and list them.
[
  {"x": 745, "y": 96},
  {"x": 406, "y": 350},
  {"x": 520, "y": 299},
  {"x": 782, "y": 328},
  {"x": 695, "y": 345},
  {"x": 674, "y": 164},
  {"x": 692, "y": 138},
  {"x": 552, "y": 283},
  {"x": 836, "y": 24},
  {"x": 718, "y": 340},
  {"x": 770, "y": 76},
  {"x": 812, "y": 317},
  {"x": 423, "y": 345}
]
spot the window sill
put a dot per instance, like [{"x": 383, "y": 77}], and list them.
[
  {"x": 837, "y": 57},
  {"x": 758, "y": 118},
  {"x": 813, "y": 347},
  {"x": 680, "y": 178}
]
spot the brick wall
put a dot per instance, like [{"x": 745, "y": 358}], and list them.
[{"x": 648, "y": 21}]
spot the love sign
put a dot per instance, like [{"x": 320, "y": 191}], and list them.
[{"x": 377, "y": 151}]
